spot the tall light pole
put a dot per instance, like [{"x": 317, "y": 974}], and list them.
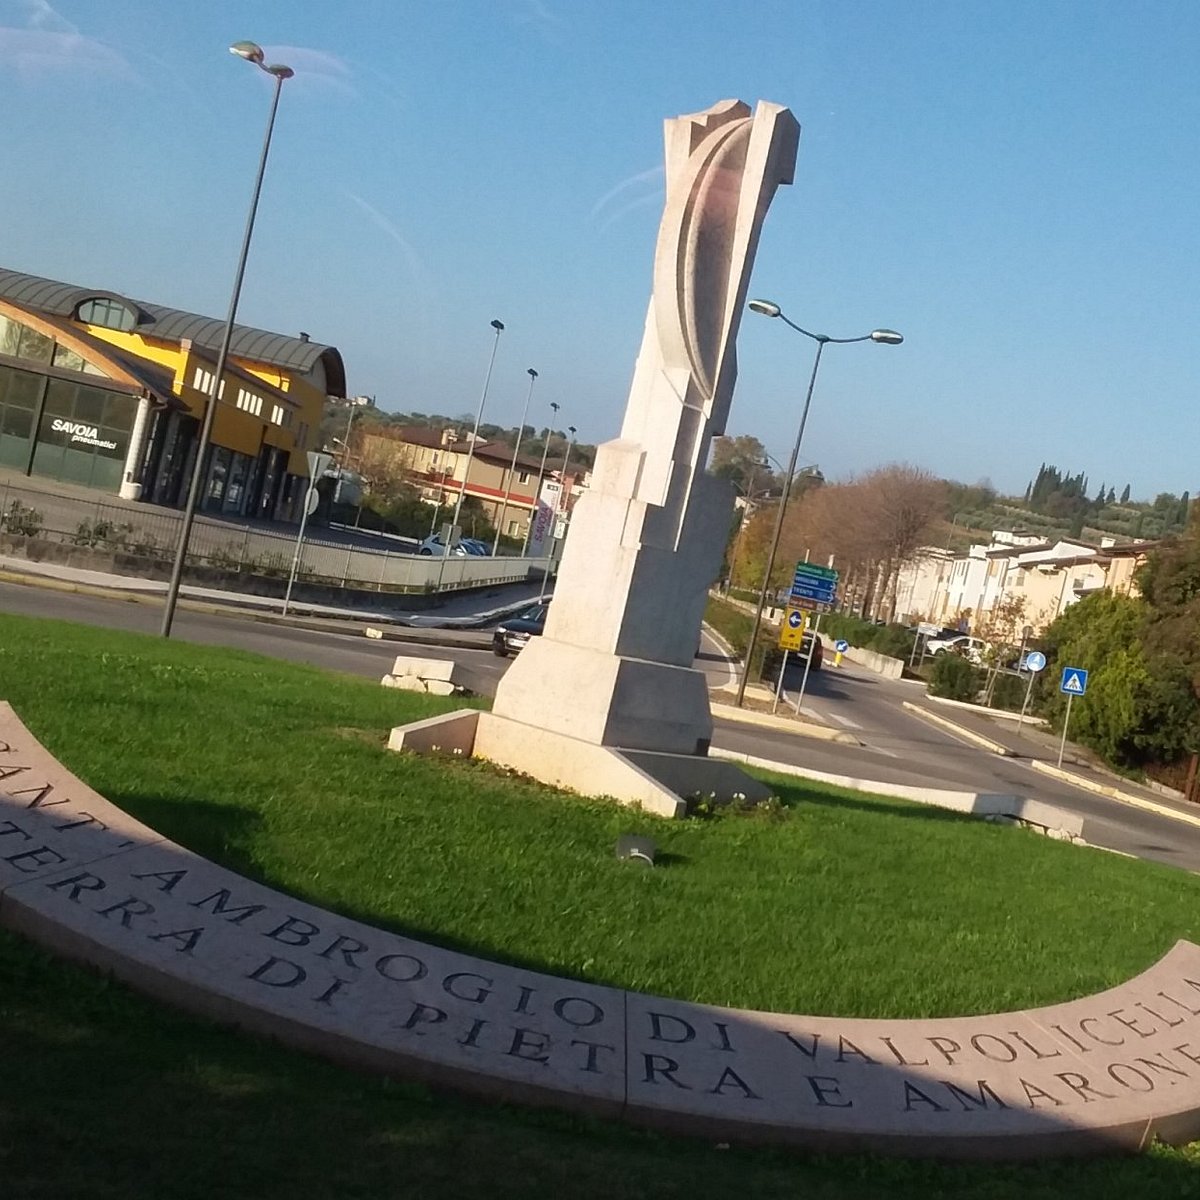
[
  {"x": 498, "y": 326},
  {"x": 254, "y": 54},
  {"x": 887, "y": 337},
  {"x": 537, "y": 487},
  {"x": 563, "y": 474},
  {"x": 512, "y": 470}
]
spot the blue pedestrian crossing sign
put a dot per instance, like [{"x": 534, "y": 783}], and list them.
[{"x": 1074, "y": 681}]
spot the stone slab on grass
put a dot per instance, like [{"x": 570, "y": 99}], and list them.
[{"x": 1104, "y": 1073}]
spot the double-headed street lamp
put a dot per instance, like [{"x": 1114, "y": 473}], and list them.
[
  {"x": 254, "y": 54},
  {"x": 498, "y": 326},
  {"x": 513, "y": 468},
  {"x": 563, "y": 476},
  {"x": 537, "y": 487},
  {"x": 887, "y": 337}
]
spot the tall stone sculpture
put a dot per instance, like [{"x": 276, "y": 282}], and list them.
[{"x": 613, "y": 668}]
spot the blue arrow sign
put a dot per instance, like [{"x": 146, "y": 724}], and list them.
[
  {"x": 841, "y": 646},
  {"x": 1035, "y": 660},
  {"x": 814, "y": 591},
  {"x": 1074, "y": 681},
  {"x": 795, "y": 619}
]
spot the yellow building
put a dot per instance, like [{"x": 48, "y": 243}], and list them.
[{"x": 109, "y": 392}]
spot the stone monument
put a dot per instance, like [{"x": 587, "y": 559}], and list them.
[{"x": 614, "y": 667}]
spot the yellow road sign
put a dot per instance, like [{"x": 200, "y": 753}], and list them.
[{"x": 791, "y": 629}]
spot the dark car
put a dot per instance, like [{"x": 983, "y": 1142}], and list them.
[{"x": 512, "y": 634}]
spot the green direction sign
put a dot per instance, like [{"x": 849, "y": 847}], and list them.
[{"x": 815, "y": 572}]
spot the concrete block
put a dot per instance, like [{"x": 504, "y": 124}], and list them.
[{"x": 427, "y": 668}]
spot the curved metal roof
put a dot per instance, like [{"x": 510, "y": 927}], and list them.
[{"x": 172, "y": 324}]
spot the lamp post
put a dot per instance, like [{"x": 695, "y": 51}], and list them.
[
  {"x": 498, "y": 326},
  {"x": 563, "y": 474},
  {"x": 513, "y": 468},
  {"x": 887, "y": 337},
  {"x": 537, "y": 488},
  {"x": 254, "y": 54}
]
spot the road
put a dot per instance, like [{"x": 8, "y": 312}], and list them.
[{"x": 898, "y": 746}]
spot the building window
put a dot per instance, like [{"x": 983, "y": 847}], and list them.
[
  {"x": 109, "y": 314},
  {"x": 523, "y": 477},
  {"x": 20, "y": 341},
  {"x": 202, "y": 381},
  {"x": 277, "y": 414},
  {"x": 249, "y": 402}
]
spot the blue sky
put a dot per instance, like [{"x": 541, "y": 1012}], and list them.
[{"x": 1013, "y": 185}]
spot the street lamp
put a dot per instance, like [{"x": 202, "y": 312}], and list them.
[
  {"x": 767, "y": 308},
  {"x": 498, "y": 326},
  {"x": 254, "y": 54},
  {"x": 537, "y": 488},
  {"x": 563, "y": 474},
  {"x": 513, "y": 468}
]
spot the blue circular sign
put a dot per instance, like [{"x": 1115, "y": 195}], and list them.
[
  {"x": 841, "y": 645},
  {"x": 1035, "y": 660},
  {"x": 795, "y": 619}
]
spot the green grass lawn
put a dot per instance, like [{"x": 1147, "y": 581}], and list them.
[{"x": 842, "y": 904}]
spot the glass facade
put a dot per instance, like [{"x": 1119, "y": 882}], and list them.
[
  {"x": 84, "y": 434},
  {"x": 19, "y": 391}
]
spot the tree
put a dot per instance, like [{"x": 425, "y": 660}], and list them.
[
  {"x": 1140, "y": 706},
  {"x": 741, "y": 460},
  {"x": 1125, "y": 494},
  {"x": 902, "y": 504}
]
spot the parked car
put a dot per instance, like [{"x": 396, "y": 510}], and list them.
[
  {"x": 435, "y": 545},
  {"x": 513, "y": 633},
  {"x": 476, "y": 547},
  {"x": 971, "y": 648}
]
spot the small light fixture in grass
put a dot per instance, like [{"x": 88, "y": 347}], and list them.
[{"x": 636, "y": 849}]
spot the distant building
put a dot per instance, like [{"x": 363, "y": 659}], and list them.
[
  {"x": 440, "y": 463},
  {"x": 109, "y": 392}
]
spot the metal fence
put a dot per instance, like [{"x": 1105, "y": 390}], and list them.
[{"x": 121, "y": 527}]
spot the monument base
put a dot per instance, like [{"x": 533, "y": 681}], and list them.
[
  {"x": 657, "y": 781},
  {"x": 602, "y": 698}
]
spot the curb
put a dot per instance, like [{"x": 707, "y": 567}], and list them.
[
  {"x": 978, "y": 738},
  {"x": 1002, "y": 714},
  {"x": 730, "y": 712},
  {"x": 985, "y": 805},
  {"x": 1114, "y": 793}
]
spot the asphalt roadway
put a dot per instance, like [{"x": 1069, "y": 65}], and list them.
[{"x": 897, "y": 746}]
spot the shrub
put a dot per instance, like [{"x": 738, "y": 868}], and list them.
[
  {"x": 954, "y": 678},
  {"x": 892, "y": 640},
  {"x": 1009, "y": 692},
  {"x": 21, "y": 520}
]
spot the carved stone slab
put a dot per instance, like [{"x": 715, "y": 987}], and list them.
[{"x": 1104, "y": 1073}]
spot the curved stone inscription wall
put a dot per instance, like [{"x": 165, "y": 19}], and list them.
[{"x": 1103, "y": 1073}]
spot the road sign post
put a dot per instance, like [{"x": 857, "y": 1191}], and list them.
[
  {"x": 1074, "y": 683},
  {"x": 812, "y": 649},
  {"x": 318, "y": 464},
  {"x": 779, "y": 681},
  {"x": 840, "y": 647},
  {"x": 1034, "y": 661},
  {"x": 791, "y": 637}
]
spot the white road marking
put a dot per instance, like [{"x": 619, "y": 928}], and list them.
[{"x": 844, "y": 721}]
